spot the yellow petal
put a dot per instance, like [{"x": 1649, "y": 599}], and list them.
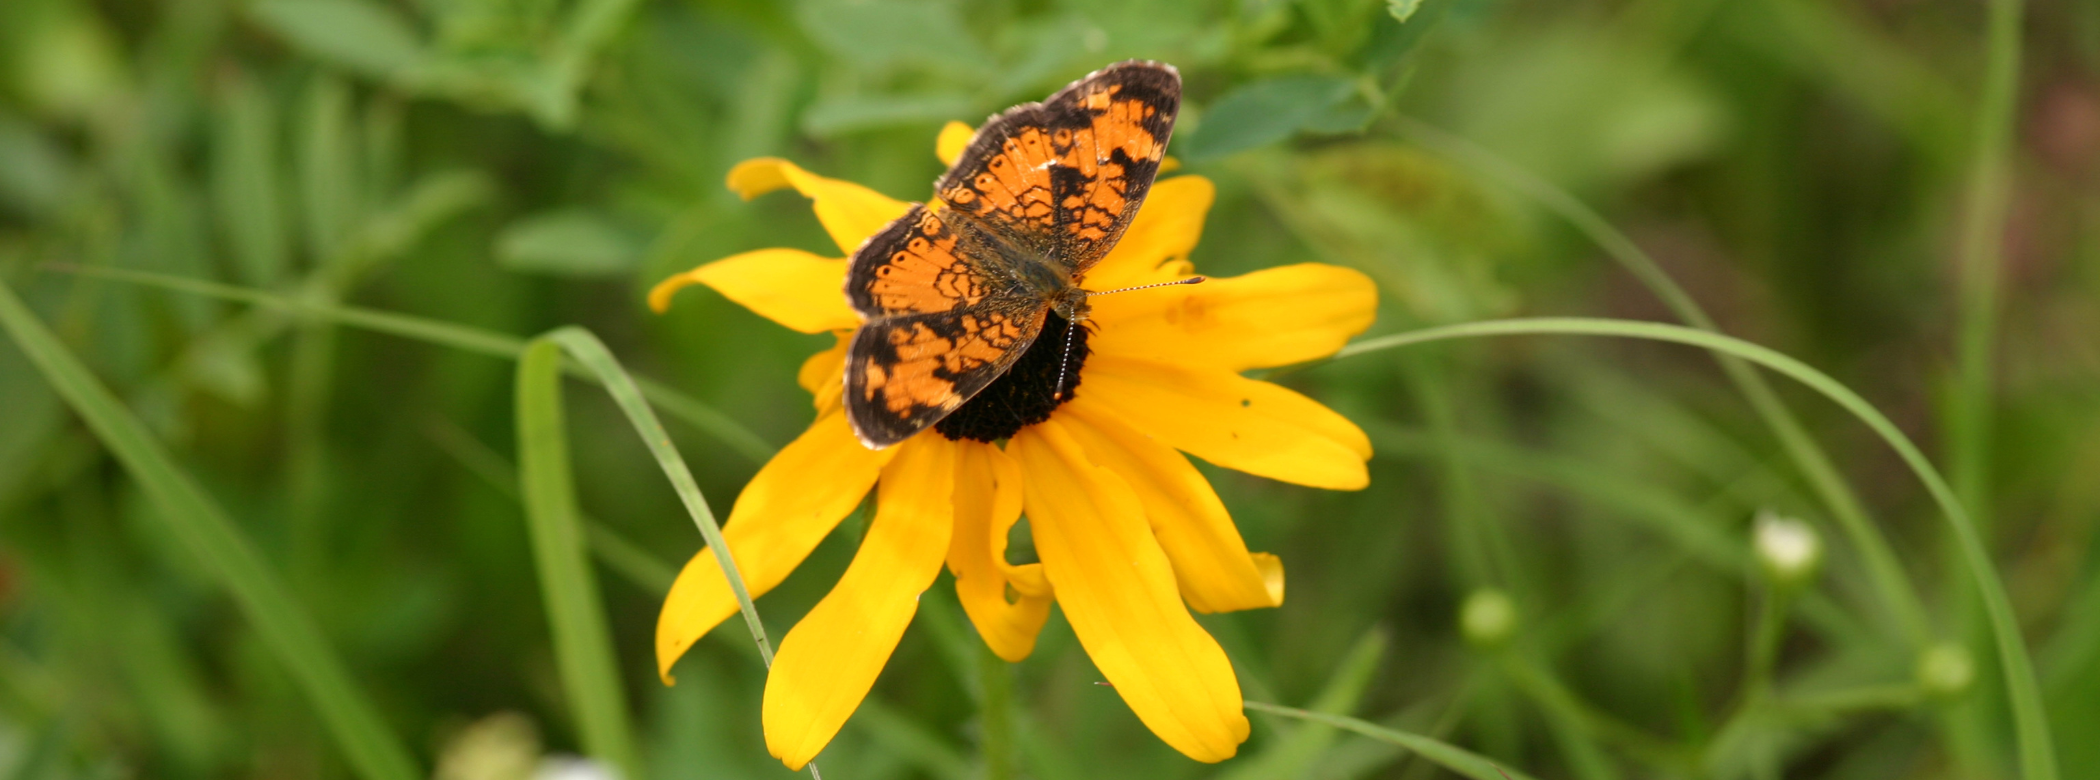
[
  {"x": 850, "y": 212},
  {"x": 1230, "y": 420},
  {"x": 795, "y": 500},
  {"x": 824, "y": 374},
  {"x": 954, "y": 138},
  {"x": 1271, "y": 317},
  {"x": 1166, "y": 229},
  {"x": 987, "y": 496},
  {"x": 1117, "y": 589},
  {"x": 828, "y": 661},
  {"x": 789, "y": 286},
  {"x": 1211, "y": 562}
]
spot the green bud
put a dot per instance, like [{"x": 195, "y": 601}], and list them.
[
  {"x": 1945, "y": 670},
  {"x": 1487, "y": 618}
]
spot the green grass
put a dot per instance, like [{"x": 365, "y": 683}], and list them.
[{"x": 269, "y": 508}]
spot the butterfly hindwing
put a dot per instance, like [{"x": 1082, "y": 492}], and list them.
[
  {"x": 906, "y": 373},
  {"x": 946, "y": 315}
]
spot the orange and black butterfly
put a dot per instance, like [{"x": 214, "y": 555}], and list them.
[{"x": 955, "y": 292}]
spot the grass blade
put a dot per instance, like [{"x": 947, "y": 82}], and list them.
[
  {"x": 1896, "y": 591},
  {"x": 467, "y": 339},
  {"x": 596, "y": 359},
  {"x": 591, "y": 353},
  {"x": 210, "y": 535},
  {"x": 2030, "y": 721},
  {"x": 1444, "y": 754},
  {"x": 583, "y": 645}
]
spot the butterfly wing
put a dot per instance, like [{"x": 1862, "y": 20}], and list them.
[
  {"x": 946, "y": 312},
  {"x": 1062, "y": 178}
]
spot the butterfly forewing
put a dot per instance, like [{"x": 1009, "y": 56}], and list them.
[
  {"x": 1063, "y": 177},
  {"x": 955, "y": 293}
]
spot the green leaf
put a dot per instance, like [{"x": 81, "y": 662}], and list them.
[
  {"x": 569, "y": 242},
  {"x": 851, "y": 113},
  {"x": 878, "y": 34},
  {"x": 583, "y": 644},
  {"x": 246, "y": 180},
  {"x": 328, "y": 167},
  {"x": 1403, "y": 10},
  {"x": 210, "y": 535},
  {"x": 1264, "y": 112},
  {"x": 365, "y": 37}
]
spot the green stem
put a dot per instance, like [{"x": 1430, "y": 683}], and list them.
[
  {"x": 995, "y": 680},
  {"x": 2030, "y": 722},
  {"x": 1971, "y": 407},
  {"x": 1887, "y": 575},
  {"x": 1982, "y": 244},
  {"x": 1444, "y": 754},
  {"x": 1878, "y": 697},
  {"x": 1764, "y": 643}
]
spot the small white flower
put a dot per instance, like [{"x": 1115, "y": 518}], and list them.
[{"x": 1788, "y": 549}]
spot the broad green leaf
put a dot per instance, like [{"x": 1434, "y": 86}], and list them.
[
  {"x": 1264, "y": 112},
  {"x": 878, "y": 34},
  {"x": 327, "y": 167},
  {"x": 246, "y": 182},
  {"x": 1403, "y": 10},
  {"x": 366, "y": 37},
  {"x": 570, "y": 242}
]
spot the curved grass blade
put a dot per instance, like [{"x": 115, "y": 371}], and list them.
[
  {"x": 2030, "y": 721},
  {"x": 591, "y": 353},
  {"x": 1895, "y": 589},
  {"x": 1445, "y": 754},
  {"x": 700, "y": 415},
  {"x": 583, "y": 645},
  {"x": 209, "y": 534}
]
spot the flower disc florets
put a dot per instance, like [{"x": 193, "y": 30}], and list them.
[{"x": 1028, "y": 392}]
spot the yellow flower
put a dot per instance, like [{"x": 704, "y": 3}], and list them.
[{"x": 1129, "y": 534}]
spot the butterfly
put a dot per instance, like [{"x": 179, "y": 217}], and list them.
[{"x": 955, "y": 291}]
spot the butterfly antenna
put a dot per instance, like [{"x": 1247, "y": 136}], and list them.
[
  {"x": 1190, "y": 280},
  {"x": 1064, "y": 362}
]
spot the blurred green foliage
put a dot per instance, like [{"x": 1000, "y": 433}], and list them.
[{"x": 1799, "y": 166}]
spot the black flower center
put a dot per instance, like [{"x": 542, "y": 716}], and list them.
[{"x": 1028, "y": 392}]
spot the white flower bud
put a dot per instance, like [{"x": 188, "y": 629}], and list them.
[
  {"x": 1788, "y": 549},
  {"x": 1487, "y": 618},
  {"x": 1946, "y": 670}
]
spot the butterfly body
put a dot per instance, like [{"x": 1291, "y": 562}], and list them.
[{"x": 956, "y": 291}]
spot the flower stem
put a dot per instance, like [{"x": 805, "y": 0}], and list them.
[{"x": 995, "y": 678}]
